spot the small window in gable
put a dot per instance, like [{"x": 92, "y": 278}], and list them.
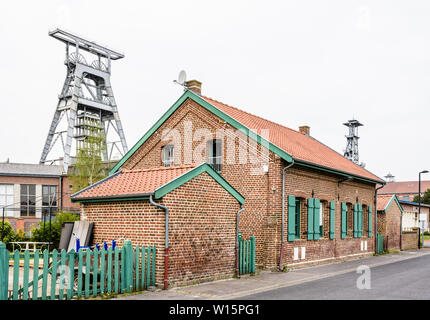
[
  {"x": 214, "y": 154},
  {"x": 167, "y": 155}
]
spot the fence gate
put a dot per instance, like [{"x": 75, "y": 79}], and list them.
[
  {"x": 379, "y": 243},
  {"x": 246, "y": 255},
  {"x": 66, "y": 275}
]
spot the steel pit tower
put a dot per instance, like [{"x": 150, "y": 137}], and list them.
[
  {"x": 86, "y": 103},
  {"x": 351, "y": 151}
]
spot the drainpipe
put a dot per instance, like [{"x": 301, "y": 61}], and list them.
[
  {"x": 281, "y": 254},
  {"x": 237, "y": 239},
  {"x": 60, "y": 193},
  {"x": 376, "y": 217},
  {"x": 166, "y": 246}
]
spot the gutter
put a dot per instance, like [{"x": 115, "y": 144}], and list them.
[
  {"x": 166, "y": 246},
  {"x": 336, "y": 171},
  {"x": 281, "y": 253},
  {"x": 115, "y": 197}
]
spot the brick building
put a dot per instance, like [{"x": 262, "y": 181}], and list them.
[
  {"x": 29, "y": 192},
  {"x": 390, "y": 220},
  {"x": 410, "y": 214},
  {"x": 304, "y": 202},
  {"x": 201, "y": 218},
  {"x": 405, "y": 190}
]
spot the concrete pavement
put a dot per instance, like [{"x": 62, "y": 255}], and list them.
[{"x": 251, "y": 286}]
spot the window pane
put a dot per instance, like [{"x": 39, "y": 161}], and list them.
[
  {"x": 32, "y": 189},
  {"x": 168, "y": 155},
  {"x": 23, "y": 210},
  {"x": 2, "y": 188},
  {"x": 2, "y": 200},
  {"x": 53, "y": 191},
  {"x": 9, "y": 189},
  {"x": 32, "y": 200},
  {"x": 9, "y": 200},
  {"x": 9, "y": 212},
  {"x": 45, "y": 200},
  {"x": 24, "y": 189},
  {"x": 31, "y": 210}
]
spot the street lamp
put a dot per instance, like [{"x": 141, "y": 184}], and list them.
[{"x": 419, "y": 207}]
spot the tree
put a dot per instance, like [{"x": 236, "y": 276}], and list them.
[
  {"x": 9, "y": 235},
  {"x": 89, "y": 167},
  {"x": 425, "y": 198},
  {"x": 42, "y": 233}
]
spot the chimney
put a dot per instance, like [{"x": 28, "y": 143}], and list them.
[
  {"x": 306, "y": 130},
  {"x": 195, "y": 86}
]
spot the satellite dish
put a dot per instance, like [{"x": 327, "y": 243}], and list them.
[{"x": 182, "y": 77}]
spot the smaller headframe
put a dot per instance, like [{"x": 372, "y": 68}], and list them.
[{"x": 86, "y": 45}]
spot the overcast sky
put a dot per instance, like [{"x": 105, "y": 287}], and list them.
[{"x": 316, "y": 63}]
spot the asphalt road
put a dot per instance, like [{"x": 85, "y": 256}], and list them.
[{"x": 408, "y": 279}]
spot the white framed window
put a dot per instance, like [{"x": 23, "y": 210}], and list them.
[
  {"x": 214, "y": 154},
  {"x": 28, "y": 200},
  {"x": 168, "y": 155},
  {"x": 322, "y": 204},
  {"x": 6, "y": 199},
  {"x": 49, "y": 200}
]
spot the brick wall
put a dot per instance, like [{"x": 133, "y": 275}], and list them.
[
  {"x": 410, "y": 239},
  {"x": 389, "y": 225},
  {"x": 202, "y": 222}
]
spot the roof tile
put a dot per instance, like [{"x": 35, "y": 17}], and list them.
[
  {"x": 133, "y": 182},
  {"x": 298, "y": 145}
]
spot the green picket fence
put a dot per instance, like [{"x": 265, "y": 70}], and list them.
[
  {"x": 67, "y": 275},
  {"x": 379, "y": 243},
  {"x": 246, "y": 255}
]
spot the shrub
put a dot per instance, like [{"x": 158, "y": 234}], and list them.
[
  {"x": 9, "y": 235},
  {"x": 42, "y": 234}
]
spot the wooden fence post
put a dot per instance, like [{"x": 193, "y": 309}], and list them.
[
  {"x": 4, "y": 271},
  {"x": 128, "y": 265},
  {"x": 252, "y": 254}
]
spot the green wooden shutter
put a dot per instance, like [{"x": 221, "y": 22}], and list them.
[
  {"x": 291, "y": 218},
  {"x": 332, "y": 218},
  {"x": 311, "y": 219},
  {"x": 369, "y": 229},
  {"x": 317, "y": 205},
  {"x": 360, "y": 220},
  {"x": 355, "y": 220},
  {"x": 343, "y": 220}
]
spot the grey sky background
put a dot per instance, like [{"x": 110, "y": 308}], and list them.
[{"x": 316, "y": 63}]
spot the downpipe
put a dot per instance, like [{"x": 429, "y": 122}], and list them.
[
  {"x": 281, "y": 254},
  {"x": 237, "y": 239},
  {"x": 376, "y": 217},
  {"x": 166, "y": 241}
]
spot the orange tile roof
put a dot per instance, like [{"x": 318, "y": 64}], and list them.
[
  {"x": 404, "y": 187},
  {"x": 298, "y": 145},
  {"x": 383, "y": 200},
  {"x": 133, "y": 182}
]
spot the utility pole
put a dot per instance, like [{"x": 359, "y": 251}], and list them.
[{"x": 421, "y": 230}]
